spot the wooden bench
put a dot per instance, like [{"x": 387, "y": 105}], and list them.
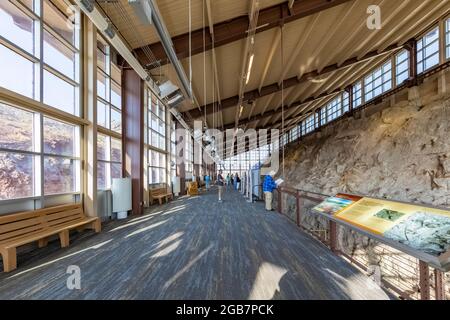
[
  {"x": 160, "y": 194},
  {"x": 22, "y": 228}
]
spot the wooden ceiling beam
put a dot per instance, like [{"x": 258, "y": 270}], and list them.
[
  {"x": 286, "y": 108},
  {"x": 290, "y": 82},
  {"x": 235, "y": 29}
]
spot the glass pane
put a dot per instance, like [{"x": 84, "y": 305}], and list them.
[
  {"x": 116, "y": 95},
  {"x": 162, "y": 143},
  {"x": 102, "y": 89},
  {"x": 155, "y": 141},
  {"x": 101, "y": 55},
  {"x": 150, "y": 179},
  {"x": 162, "y": 127},
  {"x": 154, "y": 122},
  {"x": 17, "y": 128},
  {"x": 58, "y": 93},
  {"x": 59, "y": 16},
  {"x": 116, "y": 121},
  {"x": 162, "y": 160},
  {"x": 162, "y": 175},
  {"x": 431, "y": 36},
  {"x": 116, "y": 150},
  {"x": 59, "y": 138},
  {"x": 16, "y": 26},
  {"x": 102, "y": 114},
  {"x": 116, "y": 170},
  {"x": 16, "y": 175},
  {"x": 154, "y": 160},
  {"x": 59, "y": 175},
  {"x": 16, "y": 72},
  {"x": 101, "y": 175},
  {"x": 59, "y": 56},
  {"x": 432, "y": 61},
  {"x": 116, "y": 74},
  {"x": 155, "y": 175},
  {"x": 161, "y": 111},
  {"x": 102, "y": 147}
]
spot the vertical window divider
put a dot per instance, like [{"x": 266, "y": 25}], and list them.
[
  {"x": 442, "y": 41},
  {"x": 42, "y": 160}
]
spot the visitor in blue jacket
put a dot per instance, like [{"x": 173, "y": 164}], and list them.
[{"x": 268, "y": 186}]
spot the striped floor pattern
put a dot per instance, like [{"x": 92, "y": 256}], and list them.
[{"x": 191, "y": 248}]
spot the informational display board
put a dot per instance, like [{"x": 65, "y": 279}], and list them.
[{"x": 423, "y": 232}]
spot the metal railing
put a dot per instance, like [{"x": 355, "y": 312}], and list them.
[{"x": 401, "y": 274}]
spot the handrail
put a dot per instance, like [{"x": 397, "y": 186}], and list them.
[{"x": 332, "y": 242}]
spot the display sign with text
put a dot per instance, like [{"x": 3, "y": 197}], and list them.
[{"x": 420, "y": 228}]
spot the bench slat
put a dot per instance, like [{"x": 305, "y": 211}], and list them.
[
  {"x": 62, "y": 214},
  {"x": 64, "y": 220},
  {"x": 12, "y": 226},
  {"x": 20, "y": 232},
  {"x": 46, "y": 233}
]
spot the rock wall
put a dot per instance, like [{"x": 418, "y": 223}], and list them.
[{"x": 398, "y": 149}]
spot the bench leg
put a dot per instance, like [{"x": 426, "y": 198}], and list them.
[
  {"x": 97, "y": 225},
  {"x": 42, "y": 242},
  {"x": 160, "y": 201},
  {"x": 64, "y": 238},
  {"x": 9, "y": 259}
]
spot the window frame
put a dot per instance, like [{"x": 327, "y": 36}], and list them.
[{"x": 37, "y": 56}]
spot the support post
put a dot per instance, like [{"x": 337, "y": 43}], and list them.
[
  {"x": 349, "y": 90},
  {"x": 439, "y": 284},
  {"x": 411, "y": 46},
  {"x": 89, "y": 91},
  {"x": 180, "y": 144},
  {"x": 133, "y": 136},
  {"x": 333, "y": 237},
  {"x": 424, "y": 280},
  {"x": 299, "y": 205},
  {"x": 280, "y": 206}
]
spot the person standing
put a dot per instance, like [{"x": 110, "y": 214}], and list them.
[
  {"x": 207, "y": 181},
  {"x": 220, "y": 183},
  {"x": 228, "y": 180},
  {"x": 238, "y": 182},
  {"x": 268, "y": 186}
]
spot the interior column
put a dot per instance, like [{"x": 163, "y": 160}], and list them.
[{"x": 133, "y": 136}]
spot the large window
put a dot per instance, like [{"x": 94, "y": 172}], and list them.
[
  {"x": 157, "y": 149},
  {"x": 109, "y": 160},
  {"x": 157, "y": 123},
  {"x": 378, "y": 81},
  {"x": 109, "y": 88},
  {"x": 428, "y": 51},
  {"x": 310, "y": 124},
  {"x": 189, "y": 155},
  {"x": 294, "y": 133},
  {"x": 40, "y": 59},
  {"x": 401, "y": 67},
  {"x": 157, "y": 167},
  {"x": 357, "y": 94},
  {"x": 39, "y": 155},
  {"x": 32, "y": 64},
  {"x": 241, "y": 163},
  {"x": 173, "y": 150},
  {"x": 109, "y": 115},
  {"x": 333, "y": 109}
]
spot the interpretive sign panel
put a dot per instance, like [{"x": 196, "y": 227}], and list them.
[{"x": 421, "y": 231}]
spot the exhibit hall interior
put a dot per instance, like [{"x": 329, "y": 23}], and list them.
[{"x": 224, "y": 150}]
